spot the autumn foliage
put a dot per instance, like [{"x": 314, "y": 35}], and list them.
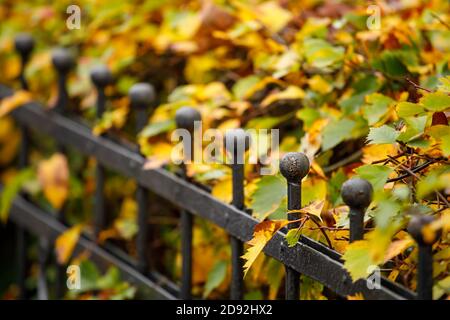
[{"x": 357, "y": 99}]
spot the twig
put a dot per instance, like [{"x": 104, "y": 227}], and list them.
[
  {"x": 410, "y": 172},
  {"x": 324, "y": 233},
  {"x": 418, "y": 178},
  {"x": 417, "y": 86},
  {"x": 354, "y": 156},
  {"x": 440, "y": 20}
]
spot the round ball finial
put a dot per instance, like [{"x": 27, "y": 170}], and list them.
[
  {"x": 141, "y": 95},
  {"x": 415, "y": 229},
  {"x": 186, "y": 116},
  {"x": 236, "y": 140},
  {"x": 294, "y": 166},
  {"x": 24, "y": 44},
  {"x": 63, "y": 60},
  {"x": 357, "y": 193},
  {"x": 101, "y": 76}
]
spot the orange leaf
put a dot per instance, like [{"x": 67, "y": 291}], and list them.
[{"x": 262, "y": 234}]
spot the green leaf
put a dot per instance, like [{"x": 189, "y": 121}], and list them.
[
  {"x": 89, "y": 276},
  {"x": 269, "y": 193},
  {"x": 358, "y": 259},
  {"x": 436, "y": 179},
  {"x": 390, "y": 63},
  {"x": 408, "y": 109},
  {"x": 378, "y": 106},
  {"x": 156, "y": 128},
  {"x": 11, "y": 189},
  {"x": 445, "y": 84},
  {"x": 215, "y": 277},
  {"x": 336, "y": 132},
  {"x": 308, "y": 116},
  {"x": 442, "y": 134},
  {"x": 384, "y": 213},
  {"x": 293, "y": 236},
  {"x": 415, "y": 126},
  {"x": 321, "y": 54},
  {"x": 376, "y": 175},
  {"x": 242, "y": 86},
  {"x": 110, "y": 279},
  {"x": 436, "y": 101},
  {"x": 382, "y": 135}
]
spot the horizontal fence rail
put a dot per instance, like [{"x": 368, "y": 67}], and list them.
[
  {"x": 308, "y": 257},
  {"x": 44, "y": 225}
]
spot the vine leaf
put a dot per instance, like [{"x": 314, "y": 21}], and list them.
[{"x": 262, "y": 234}]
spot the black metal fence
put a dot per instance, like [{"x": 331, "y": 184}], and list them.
[{"x": 308, "y": 257}]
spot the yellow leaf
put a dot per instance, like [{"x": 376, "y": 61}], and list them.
[
  {"x": 314, "y": 209},
  {"x": 397, "y": 247},
  {"x": 10, "y": 103},
  {"x": 222, "y": 190},
  {"x": 273, "y": 16},
  {"x": 356, "y": 296},
  {"x": 262, "y": 234},
  {"x": 318, "y": 84},
  {"x": 111, "y": 119},
  {"x": 65, "y": 243},
  {"x": 53, "y": 175},
  {"x": 290, "y": 93},
  {"x": 376, "y": 152}
]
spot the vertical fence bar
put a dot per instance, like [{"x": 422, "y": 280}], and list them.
[
  {"x": 357, "y": 194},
  {"x": 425, "y": 264},
  {"x": 185, "y": 119},
  {"x": 101, "y": 77},
  {"x": 24, "y": 44},
  {"x": 236, "y": 143},
  {"x": 63, "y": 61},
  {"x": 142, "y": 95},
  {"x": 294, "y": 166},
  {"x": 43, "y": 255}
]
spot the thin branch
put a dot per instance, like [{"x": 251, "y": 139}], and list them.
[
  {"x": 440, "y": 20},
  {"x": 417, "y": 86},
  {"x": 354, "y": 156}
]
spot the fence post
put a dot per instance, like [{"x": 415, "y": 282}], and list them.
[
  {"x": 294, "y": 166},
  {"x": 43, "y": 256},
  {"x": 185, "y": 118},
  {"x": 237, "y": 141},
  {"x": 24, "y": 45},
  {"x": 357, "y": 194},
  {"x": 425, "y": 264},
  {"x": 63, "y": 61},
  {"x": 101, "y": 77},
  {"x": 142, "y": 95}
]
